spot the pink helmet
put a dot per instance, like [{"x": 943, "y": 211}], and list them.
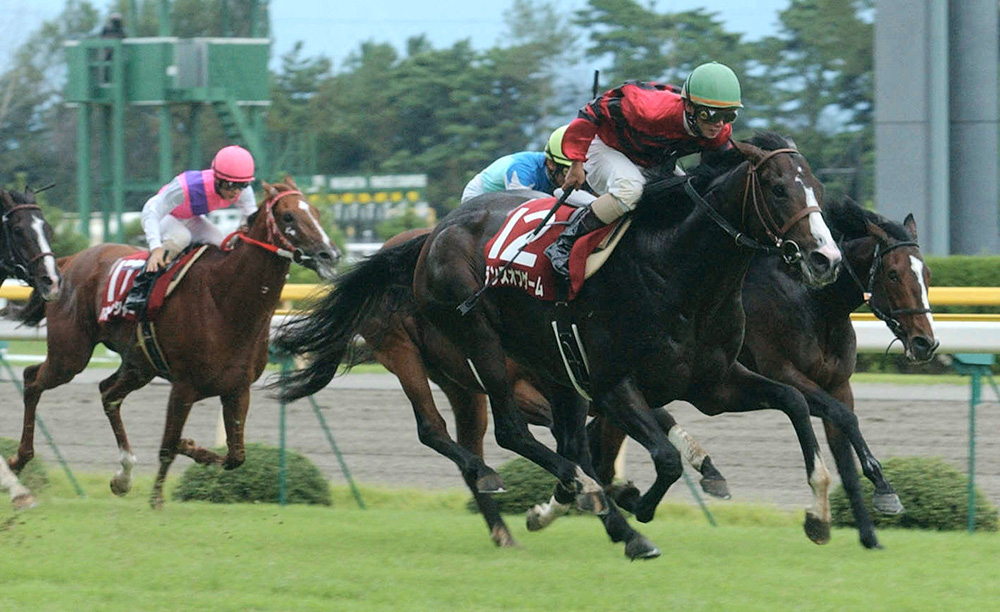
[{"x": 233, "y": 164}]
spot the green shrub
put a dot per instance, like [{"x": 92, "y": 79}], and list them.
[
  {"x": 934, "y": 493},
  {"x": 35, "y": 475},
  {"x": 256, "y": 480},
  {"x": 525, "y": 485}
]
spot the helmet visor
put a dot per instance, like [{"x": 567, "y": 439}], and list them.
[{"x": 240, "y": 186}]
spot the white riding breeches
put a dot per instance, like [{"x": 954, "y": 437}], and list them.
[
  {"x": 610, "y": 171},
  {"x": 179, "y": 233}
]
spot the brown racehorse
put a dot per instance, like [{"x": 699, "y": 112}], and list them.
[
  {"x": 25, "y": 237},
  {"x": 213, "y": 331}
]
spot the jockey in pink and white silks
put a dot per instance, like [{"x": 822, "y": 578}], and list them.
[{"x": 176, "y": 216}]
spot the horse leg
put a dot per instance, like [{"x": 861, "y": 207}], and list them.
[
  {"x": 235, "y": 408},
  {"x": 744, "y": 391},
  {"x": 569, "y": 416},
  {"x": 59, "y": 368},
  {"x": 178, "y": 408},
  {"x": 627, "y": 408},
  {"x": 470, "y": 424},
  {"x": 20, "y": 496},
  {"x": 114, "y": 389},
  {"x": 885, "y": 499}
]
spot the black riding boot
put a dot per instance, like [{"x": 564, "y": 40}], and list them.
[
  {"x": 583, "y": 221},
  {"x": 137, "y": 296}
]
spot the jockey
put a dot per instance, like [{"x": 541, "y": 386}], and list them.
[
  {"x": 529, "y": 170},
  {"x": 175, "y": 217},
  {"x": 637, "y": 126}
]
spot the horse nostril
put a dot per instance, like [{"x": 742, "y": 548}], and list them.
[
  {"x": 325, "y": 255},
  {"x": 922, "y": 347},
  {"x": 819, "y": 261}
]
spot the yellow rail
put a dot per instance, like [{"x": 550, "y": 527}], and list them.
[{"x": 939, "y": 296}]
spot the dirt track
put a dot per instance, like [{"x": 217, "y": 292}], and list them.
[{"x": 374, "y": 428}]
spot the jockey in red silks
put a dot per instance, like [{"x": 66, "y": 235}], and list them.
[
  {"x": 634, "y": 127},
  {"x": 176, "y": 216}
]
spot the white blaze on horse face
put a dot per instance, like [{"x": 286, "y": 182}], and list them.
[
  {"x": 305, "y": 206},
  {"x": 817, "y": 226},
  {"x": 918, "y": 268},
  {"x": 38, "y": 224}
]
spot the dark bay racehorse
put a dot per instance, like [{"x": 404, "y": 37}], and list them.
[
  {"x": 213, "y": 331},
  {"x": 25, "y": 253},
  {"x": 678, "y": 271},
  {"x": 804, "y": 337}
]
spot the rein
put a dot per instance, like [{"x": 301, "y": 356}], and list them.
[
  {"x": 12, "y": 261},
  {"x": 868, "y": 294},
  {"x": 283, "y": 248},
  {"x": 752, "y": 192}
]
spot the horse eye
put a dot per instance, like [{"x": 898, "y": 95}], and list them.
[
  {"x": 893, "y": 276},
  {"x": 779, "y": 190},
  {"x": 288, "y": 217},
  {"x": 18, "y": 230}
]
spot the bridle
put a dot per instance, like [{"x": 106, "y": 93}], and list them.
[
  {"x": 276, "y": 242},
  {"x": 868, "y": 293},
  {"x": 11, "y": 261},
  {"x": 753, "y": 193}
]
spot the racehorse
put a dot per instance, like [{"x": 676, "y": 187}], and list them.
[
  {"x": 213, "y": 332},
  {"x": 803, "y": 337},
  {"x": 394, "y": 336},
  {"x": 678, "y": 268},
  {"x": 25, "y": 252}
]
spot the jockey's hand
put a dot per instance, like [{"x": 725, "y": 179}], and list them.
[
  {"x": 158, "y": 258},
  {"x": 575, "y": 176}
]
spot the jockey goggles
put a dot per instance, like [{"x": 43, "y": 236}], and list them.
[
  {"x": 711, "y": 115},
  {"x": 224, "y": 184}
]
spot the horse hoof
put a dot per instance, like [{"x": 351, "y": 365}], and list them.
[
  {"x": 641, "y": 548},
  {"x": 120, "y": 488},
  {"x": 870, "y": 541},
  {"x": 887, "y": 503},
  {"x": 716, "y": 487},
  {"x": 625, "y": 495},
  {"x": 156, "y": 503},
  {"x": 592, "y": 503},
  {"x": 502, "y": 538},
  {"x": 25, "y": 501},
  {"x": 817, "y": 530},
  {"x": 490, "y": 483},
  {"x": 534, "y": 519}
]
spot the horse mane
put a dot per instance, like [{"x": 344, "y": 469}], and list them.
[{"x": 847, "y": 220}]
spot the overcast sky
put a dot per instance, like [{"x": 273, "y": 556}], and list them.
[{"x": 335, "y": 28}]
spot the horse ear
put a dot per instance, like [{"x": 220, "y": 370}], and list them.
[
  {"x": 288, "y": 180},
  {"x": 269, "y": 190},
  {"x": 911, "y": 226},
  {"x": 753, "y": 153}
]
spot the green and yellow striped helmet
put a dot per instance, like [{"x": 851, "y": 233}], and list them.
[{"x": 714, "y": 85}]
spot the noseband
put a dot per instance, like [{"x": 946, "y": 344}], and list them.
[
  {"x": 753, "y": 193},
  {"x": 10, "y": 260},
  {"x": 283, "y": 248},
  {"x": 890, "y": 318}
]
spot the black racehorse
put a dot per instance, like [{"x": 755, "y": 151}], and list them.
[
  {"x": 25, "y": 253},
  {"x": 804, "y": 337},
  {"x": 662, "y": 320}
]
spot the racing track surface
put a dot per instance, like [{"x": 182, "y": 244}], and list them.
[{"x": 375, "y": 430}]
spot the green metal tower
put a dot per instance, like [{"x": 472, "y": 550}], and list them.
[{"x": 110, "y": 73}]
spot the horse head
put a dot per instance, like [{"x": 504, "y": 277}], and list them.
[
  {"x": 897, "y": 287},
  {"x": 784, "y": 198},
  {"x": 25, "y": 240},
  {"x": 295, "y": 225}
]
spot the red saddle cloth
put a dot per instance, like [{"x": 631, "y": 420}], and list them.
[
  {"x": 531, "y": 271},
  {"x": 120, "y": 280}
]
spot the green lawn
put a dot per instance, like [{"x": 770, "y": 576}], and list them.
[{"x": 424, "y": 552}]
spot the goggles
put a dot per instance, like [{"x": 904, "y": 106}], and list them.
[
  {"x": 232, "y": 185},
  {"x": 711, "y": 115}
]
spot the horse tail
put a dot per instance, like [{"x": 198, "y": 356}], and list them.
[
  {"x": 325, "y": 335},
  {"x": 32, "y": 313}
]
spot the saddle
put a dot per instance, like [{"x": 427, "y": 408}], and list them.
[
  {"x": 153, "y": 292},
  {"x": 530, "y": 269}
]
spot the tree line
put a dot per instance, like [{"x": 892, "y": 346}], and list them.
[{"x": 449, "y": 111}]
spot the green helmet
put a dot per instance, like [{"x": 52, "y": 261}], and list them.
[
  {"x": 714, "y": 85},
  {"x": 553, "y": 148}
]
